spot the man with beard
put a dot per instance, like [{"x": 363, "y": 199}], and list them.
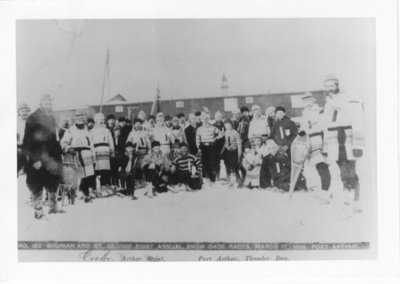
[
  {"x": 343, "y": 135},
  {"x": 44, "y": 167},
  {"x": 198, "y": 119},
  {"x": 23, "y": 112},
  {"x": 190, "y": 133},
  {"x": 140, "y": 138},
  {"x": 76, "y": 142},
  {"x": 244, "y": 124},
  {"x": 90, "y": 124}
]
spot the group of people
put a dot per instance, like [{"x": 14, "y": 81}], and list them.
[{"x": 162, "y": 154}]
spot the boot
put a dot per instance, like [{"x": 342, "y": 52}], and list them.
[
  {"x": 149, "y": 190},
  {"x": 88, "y": 199},
  {"x": 53, "y": 204},
  {"x": 39, "y": 214},
  {"x": 37, "y": 205}
]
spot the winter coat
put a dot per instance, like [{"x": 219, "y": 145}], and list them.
[
  {"x": 124, "y": 160},
  {"x": 284, "y": 131},
  {"x": 311, "y": 124},
  {"x": 190, "y": 133},
  {"x": 243, "y": 128},
  {"x": 103, "y": 143},
  {"x": 163, "y": 135},
  {"x": 252, "y": 164},
  {"x": 80, "y": 141},
  {"x": 40, "y": 144},
  {"x": 343, "y": 127},
  {"x": 178, "y": 133},
  {"x": 258, "y": 127}
]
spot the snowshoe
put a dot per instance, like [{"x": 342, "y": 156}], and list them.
[
  {"x": 39, "y": 214},
  {"x": 88, "y": 199},
  {"x": 56, "y": 211}
]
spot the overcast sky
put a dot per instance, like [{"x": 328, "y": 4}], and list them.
[{"x": 189, "y": 57}]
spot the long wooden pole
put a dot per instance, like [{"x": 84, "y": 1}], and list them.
[{"x": 104, "y": 78}]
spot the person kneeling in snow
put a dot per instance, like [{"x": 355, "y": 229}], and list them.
[
  {"x": 127, "y": 169},
  {"x": 156, "y": 170},
  {"x": 275, "y": 170},
  {"x": 252, "y": 164},
  {"x": 186, "y": 169}
]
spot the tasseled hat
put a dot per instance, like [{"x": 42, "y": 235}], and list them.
[
  {"x": 155, "y": 143},
  {"x": 46, "y": 98},
  {"x": 217, "y": 113},
  {"x": 307, "y": 96},
  {"x": 98, "y": 116},
  {"x": 331, "y": 77},
  {"x": 79, "y": 113},
  {"x": 23, "y": 106}
]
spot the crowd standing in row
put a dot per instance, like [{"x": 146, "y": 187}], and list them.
[{"x": 161, "y": 154}]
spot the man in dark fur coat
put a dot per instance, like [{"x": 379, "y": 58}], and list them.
[{"x": 44, "y": 167}]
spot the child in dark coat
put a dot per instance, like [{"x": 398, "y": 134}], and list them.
[{"x": 127, "y": 169}]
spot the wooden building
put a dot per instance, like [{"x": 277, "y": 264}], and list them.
[
  {"x": 291, "y": 101},
  {"x": 120, "y": 107}
]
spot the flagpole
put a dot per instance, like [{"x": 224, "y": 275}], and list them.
[
  {"x": 154, "y": 107},
  {"x": 104, "y": 78}
]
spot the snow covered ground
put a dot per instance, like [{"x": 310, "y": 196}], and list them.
[{"x": 210, "y": 215}]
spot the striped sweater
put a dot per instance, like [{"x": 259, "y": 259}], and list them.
[
  {"x": 186, "y": 163},
  {"x": 207, "y": 134}
]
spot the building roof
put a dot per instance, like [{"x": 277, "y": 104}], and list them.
[
  {"x": 125, "y": 102},
  {"x": 117, "y": 98}
]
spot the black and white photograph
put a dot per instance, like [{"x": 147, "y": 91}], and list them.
[
  {"x": 191, "y": 136},
  {"x": 187, "y": 135}
]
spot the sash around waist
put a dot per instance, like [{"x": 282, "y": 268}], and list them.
[
  {"x": 315, "y": 134},
  {"x": 337, "y": 128},
  {"x": 101, "y": 144},
  {"x": 81, "y": 148}
]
